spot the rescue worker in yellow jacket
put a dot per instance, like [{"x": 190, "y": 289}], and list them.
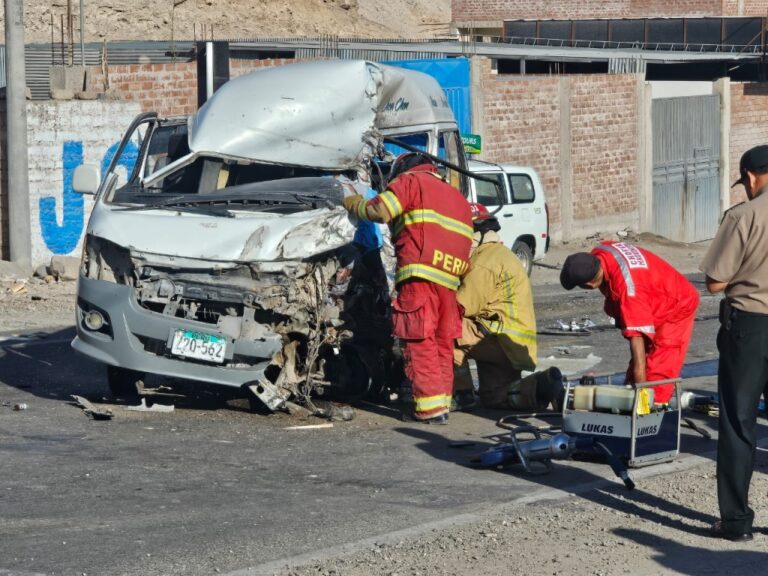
[{"x": 499, "y": 326}]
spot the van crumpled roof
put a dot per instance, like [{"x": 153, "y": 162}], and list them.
[{"x": 327, "y": 114}]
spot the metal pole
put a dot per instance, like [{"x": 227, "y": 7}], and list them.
[
  {"x": 208, "y": 70},
  {"x": 20, "y": 232},
  {"x": 82, "y": 33}
]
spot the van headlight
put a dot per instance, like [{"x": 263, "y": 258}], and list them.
[{"x": 105, "y": 260}]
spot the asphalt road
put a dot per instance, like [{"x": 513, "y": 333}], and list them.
[{"x": 212, "y": 488}]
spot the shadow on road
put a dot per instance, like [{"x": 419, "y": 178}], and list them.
[
  {"x": 692, "y": 560},
  {"x": 576, "y": 479},
  {"x": 43, "y": 364}
]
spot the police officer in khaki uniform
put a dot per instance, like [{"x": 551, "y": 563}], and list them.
[{"x": 737, "y": 263}]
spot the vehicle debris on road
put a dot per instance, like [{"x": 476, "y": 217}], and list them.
[
  {"x": 310, "y": 426},
  {"x": 155, "y": 407},
  {"x": 91, "y": 410}
]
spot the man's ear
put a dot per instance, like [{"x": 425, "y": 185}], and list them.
[{"x": 752, "y": 178}]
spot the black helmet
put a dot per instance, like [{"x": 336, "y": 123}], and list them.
[{"x": 407, "y": 161}]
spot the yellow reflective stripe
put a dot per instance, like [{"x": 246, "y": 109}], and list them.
[
  {"x": 362, "y": 212},
  {"x": 498, "y": 328},
  {"x": 427, "y": 273},
  {"x": 432, "y": 402},
  {"x": 432, "y": 217},
  {"x": 392, "y": 203}
]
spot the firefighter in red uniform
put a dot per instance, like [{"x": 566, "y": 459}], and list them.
[
  {"x": 653, "y": 305},
  {"x": 431, "y": 227}
]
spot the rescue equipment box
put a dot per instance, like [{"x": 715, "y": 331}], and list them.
[{"x": 609, "y": 413}]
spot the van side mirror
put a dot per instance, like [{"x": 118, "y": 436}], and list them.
[{"x": 86, "y": 179}]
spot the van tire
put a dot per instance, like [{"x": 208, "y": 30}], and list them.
[
  {"x": 525, "y": 255},
  {"x": 125, "y": 384}
]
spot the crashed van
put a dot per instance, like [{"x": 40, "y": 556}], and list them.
[{"x": 218, "y": 249}]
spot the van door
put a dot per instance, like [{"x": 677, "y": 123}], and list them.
[
  {"x": 523, "y": 195},
  {"x": 487, "y": 195}
]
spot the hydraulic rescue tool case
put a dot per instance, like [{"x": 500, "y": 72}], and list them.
[{"x": 609, "y": 414}]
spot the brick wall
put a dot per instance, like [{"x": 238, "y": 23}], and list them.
[
  {"x": 169, "y": 89},
  {"x": 745, "y": 7},
  {"x": 238, "y": 67},
  {"x": 749, "y": 126},
  {"x": 491, "y": 10},
  {"x": 604, "y": 146},
  {"x": 522, "y": 125},
  {"x": 521, "y": 121}
]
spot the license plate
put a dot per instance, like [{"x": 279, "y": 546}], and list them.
[{"x": 198, "y": 346}]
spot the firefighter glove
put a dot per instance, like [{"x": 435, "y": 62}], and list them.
[{"x": 352, "y": 203}]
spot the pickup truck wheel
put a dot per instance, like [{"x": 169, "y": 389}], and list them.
[
  {"x": 525, "y": 254},
  {"x": 125, "y": 384}
]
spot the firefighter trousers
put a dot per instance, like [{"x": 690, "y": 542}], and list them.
[
  {"x": 426, "y": 319},
  {"x": 495, "y": 371},
  {"x": 665, "y": 357}
]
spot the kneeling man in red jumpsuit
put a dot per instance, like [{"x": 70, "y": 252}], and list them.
[
  {"x": 653, "y": 305},
  {"x": 431, "y": 225}
]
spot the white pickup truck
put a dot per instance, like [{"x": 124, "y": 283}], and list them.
[{"x": 523, "y": 214}]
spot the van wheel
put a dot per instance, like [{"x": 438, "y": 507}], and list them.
[
  {"x": 525, "y": 254},
  {"x": 125, "y": 384}
]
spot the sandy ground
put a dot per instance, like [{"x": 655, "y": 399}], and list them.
[{"x": 185, "y": 19}]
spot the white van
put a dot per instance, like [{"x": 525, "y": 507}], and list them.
[
  {"x": 225, "y": 256},
  {"x": 523, "y": 213}
]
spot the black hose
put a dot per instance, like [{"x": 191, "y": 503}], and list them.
[{"x": 617, "y": 466}]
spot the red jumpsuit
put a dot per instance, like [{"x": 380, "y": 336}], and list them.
[
  {"x": 432, "y": 234},
  {"x": 649, "y": 298}
]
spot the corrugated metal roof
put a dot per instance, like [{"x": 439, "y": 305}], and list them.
[{"x": 39, "y": 57}]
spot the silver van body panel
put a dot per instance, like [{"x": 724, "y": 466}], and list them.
[{"x": 329, "y": 119}]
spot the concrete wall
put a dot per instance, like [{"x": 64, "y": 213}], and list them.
[
  {"x": 61, "y": 136},
  {"x": 465, "y": 11},
  {"x": 580, "y": 133}
]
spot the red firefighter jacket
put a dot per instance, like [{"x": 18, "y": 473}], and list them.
[
  {"x": 642, "y": 291},
  {"x": 431, "y": 226}
]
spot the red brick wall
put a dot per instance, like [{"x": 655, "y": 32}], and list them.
[
  {"x": 749, "y": 7},
  {"x": 521, "y": 121},
  {"x": 749, "y": 125},
  {"x": 604, "y": 145},
  {"x": 169, "y": 89},
  {"x": 521, "y": 125},
  {"x": 239, "y": 67},
  {"x": 487, "y": 10}
]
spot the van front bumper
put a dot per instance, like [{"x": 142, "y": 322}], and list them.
[{"x": 139, "y": 339}]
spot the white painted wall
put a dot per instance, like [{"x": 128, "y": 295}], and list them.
[
  {"x": 665, "y": 89},
  {"x": 61, "y": 135}
]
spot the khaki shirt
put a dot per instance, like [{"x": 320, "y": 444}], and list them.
[
  {"x": 739, "y": 255},
  {"x": 496, "y": 293}
]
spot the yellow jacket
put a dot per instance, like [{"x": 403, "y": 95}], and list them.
[{"x": 496, "y": 293}]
